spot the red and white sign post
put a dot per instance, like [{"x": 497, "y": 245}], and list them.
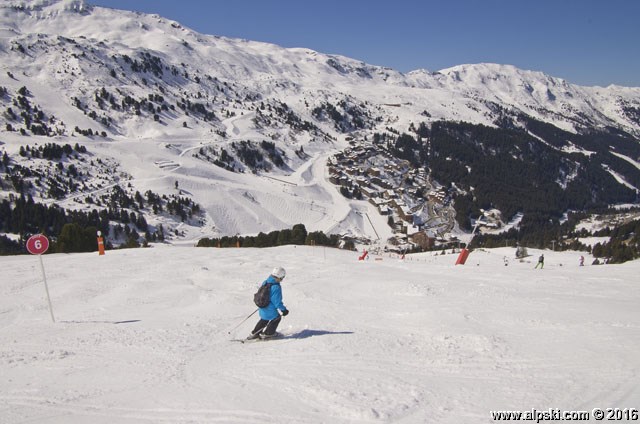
[
  {"x": 464, "y": 253},
  {"x": 37, "y": 245}
]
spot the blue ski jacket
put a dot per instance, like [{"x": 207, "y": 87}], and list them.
[{"x": 271, "y": 311}]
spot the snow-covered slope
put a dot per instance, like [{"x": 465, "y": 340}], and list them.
[
  {"x": 142, "y": 335},
  {"x": 547, "y": 98},
  {"x": 163, "y": 103},
  {"x": 290, "y": 73}
]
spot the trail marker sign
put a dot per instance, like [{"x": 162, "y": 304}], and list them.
[{"x": 37, "y": 244}]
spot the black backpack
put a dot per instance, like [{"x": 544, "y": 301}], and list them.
[{"x": 262, "y": 297}]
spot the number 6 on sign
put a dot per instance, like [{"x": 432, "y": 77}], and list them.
[{"x": 37, "y": 245}]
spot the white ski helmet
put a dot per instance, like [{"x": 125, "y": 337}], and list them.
[{"x": 279, "y": 272}]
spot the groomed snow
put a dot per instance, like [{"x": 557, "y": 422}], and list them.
[
  {"x": 143, "y": 336},
  {"x": 64, "y": 50}
]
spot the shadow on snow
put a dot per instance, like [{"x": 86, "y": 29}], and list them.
[{"x": 305, "y": 334}]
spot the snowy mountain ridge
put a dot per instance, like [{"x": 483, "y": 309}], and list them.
[
  {"x": 174, "y": 110},
  {"x": 261, "y": 66}
]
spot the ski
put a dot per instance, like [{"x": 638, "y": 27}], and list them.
[{"x": 278, "y": 336}]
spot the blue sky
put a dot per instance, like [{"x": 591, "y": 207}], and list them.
[{"x": 586, "y": 42}]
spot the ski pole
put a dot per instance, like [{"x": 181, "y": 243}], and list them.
[{"x": 242, "y": 322}]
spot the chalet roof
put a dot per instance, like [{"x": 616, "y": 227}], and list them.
[{"x": 412, "y": 229}]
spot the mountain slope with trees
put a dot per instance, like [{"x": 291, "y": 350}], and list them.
[{"x": 136, "y": 119}]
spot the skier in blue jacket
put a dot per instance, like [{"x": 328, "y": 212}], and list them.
[{"x": 269, "y": 316}]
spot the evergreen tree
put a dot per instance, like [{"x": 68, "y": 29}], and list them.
[
  {"x": 298, "y": 234},
  {"x": 74, "y": 238}
]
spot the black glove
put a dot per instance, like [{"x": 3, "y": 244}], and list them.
[{"x": 285, "y": 312}]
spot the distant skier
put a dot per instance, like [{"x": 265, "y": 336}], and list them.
[
  {"x": 581, "y": 260},
  {"x": 540, "y": 262},
  {"x": 269, "y": 316}
]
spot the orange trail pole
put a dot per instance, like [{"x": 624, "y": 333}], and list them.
[
  {"x": 464, "y": 253},
  {"x": 100, "y": 244}
]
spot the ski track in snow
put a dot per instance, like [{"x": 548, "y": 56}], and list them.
[{"x": 144, "y": 335}]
